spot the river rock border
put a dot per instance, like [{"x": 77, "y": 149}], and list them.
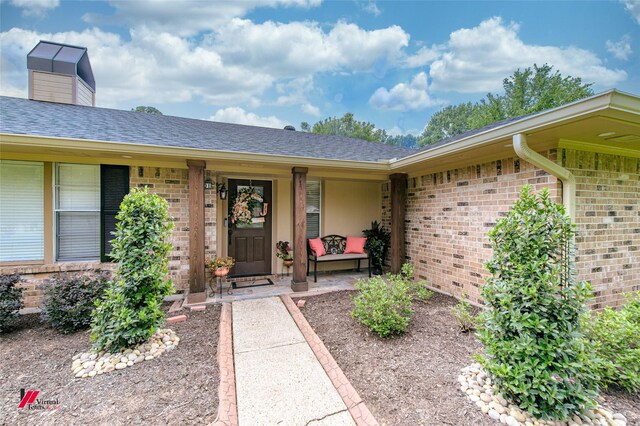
[
  {"x": 477, "y": 385},
  {"x": 91, "y": 364}
]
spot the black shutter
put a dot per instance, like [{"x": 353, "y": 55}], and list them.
[{"x": 114, "y": 185}]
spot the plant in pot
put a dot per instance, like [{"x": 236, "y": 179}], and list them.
[
  {"x": 378, "y": 240},
  {"x": 219, "y": 266},
  {"x": 284, "y": 248}
]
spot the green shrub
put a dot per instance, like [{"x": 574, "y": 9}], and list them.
[
  {"x": 383, "y": 304},
  {"x": 462, "y": 313},
  {"x": 10, "y": 300},
  {"x": 378, "y": 241},
  {"x": 130, "y": 312},
  {"x": 68, "y": 300},
  {"x": 418, "y": 289},
  {"x": 535, "y": 349},
  {"x": 615, "y": 335}
]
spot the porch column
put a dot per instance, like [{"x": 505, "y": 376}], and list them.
[
  {"x": 398, "y": 206},
  {"x": 196, "y": 226},
  {"x": 299, "y": 282}
]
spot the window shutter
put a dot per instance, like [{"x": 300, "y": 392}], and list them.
[
  {"x": 21, "y": 211},
  {"x": 114, "y": 184},
  {"x": 313, "y": 208}
]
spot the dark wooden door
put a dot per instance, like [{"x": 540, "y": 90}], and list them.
[{"x": 250, "y": 244}]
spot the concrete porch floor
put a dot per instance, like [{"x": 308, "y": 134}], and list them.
[{"x": 327, "y": 281}]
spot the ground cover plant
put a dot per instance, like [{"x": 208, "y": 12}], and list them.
[
  {"x": 10, "y": 300},
  {"x": 69, "y": 299},
  {"x": 535, "y": 349},
  {"x": 463, "y": 314},
  {"x": 615, "y": 336},
  {"x": 130, "y": 312}
]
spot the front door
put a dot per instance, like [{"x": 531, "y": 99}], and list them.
[{"x": 250, "y": 234}]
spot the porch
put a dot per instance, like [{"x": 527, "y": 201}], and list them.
[{"x": 327, "y": 282}]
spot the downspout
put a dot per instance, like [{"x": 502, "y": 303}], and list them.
[{"x": 565, "y": 176}]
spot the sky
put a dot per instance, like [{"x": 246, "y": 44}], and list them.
[{"x": 278, "y": 62}]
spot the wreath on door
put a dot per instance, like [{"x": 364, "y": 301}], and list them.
[{"x": 245, "y": 204}]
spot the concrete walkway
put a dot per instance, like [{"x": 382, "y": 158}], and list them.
[{"x": 279, "y": 380}]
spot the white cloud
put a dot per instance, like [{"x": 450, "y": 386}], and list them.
[
  {"x": 311, "y": 109},
  {"x": 185, "y": 17},
  {"x": 401, "y": 131},
  {"x": 620, "y": 49},
  {"x": 633, "y": 7},
  {"x": 372, "y": 8},
  {"x": 240, "y": 116},
  {"x": 404, "y": 97},
  {"x": 478, "y": 59},
  {"x": 151, "y": 68},
  {"x": 36, "y": 8},
  {"x": 422, "y": 57}
]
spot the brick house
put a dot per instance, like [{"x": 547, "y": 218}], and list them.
[{"x": 65, "y": 165}]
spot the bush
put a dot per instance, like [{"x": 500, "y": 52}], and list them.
[
  {"x": 462, "y": 313},
  {"x": 417, "y": 289},
  {"x": 377, "y": 245},
  {"x": 383, "y": 305},
  {"x": 130, "y": 312},
  {"x": 535, "y": 347},
  {"x": 615, "y": 335},
  {"x": 10, "y": 300},
  {"x": 69, "y": 299}
]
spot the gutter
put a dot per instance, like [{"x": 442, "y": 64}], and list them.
[{"x": 568, "y": 180}]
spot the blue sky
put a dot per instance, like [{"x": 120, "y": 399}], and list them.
[{"x": 278, "y": 62}]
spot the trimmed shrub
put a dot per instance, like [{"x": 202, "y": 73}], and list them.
[
  {"x": 69, "y": 299},
  {"x": 10, "y": 300},
  {"x": 462, "y": 313},
  {"x": 383, "y": 304},
  {"x": 535, "y": 349},
  {"x": 615, "y": 335},
  {"x": 130, "y": 312}
]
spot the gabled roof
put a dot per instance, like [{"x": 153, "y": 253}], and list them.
[
  {"x": 61, "y": 59},
  {"x": 27, "y": 117}
]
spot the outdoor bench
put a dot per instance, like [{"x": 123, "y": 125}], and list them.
[{"x": 335, "y": 246}]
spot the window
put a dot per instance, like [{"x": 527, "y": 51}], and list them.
[
  {"x": 21, "y": 211},
  {"x": 77, "y": 212},
  {"x": 313, "y": 208}
]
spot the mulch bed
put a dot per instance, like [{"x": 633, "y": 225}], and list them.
[
  {"x": 412, "y": 379},
  {"x": 179, "y": 387}
]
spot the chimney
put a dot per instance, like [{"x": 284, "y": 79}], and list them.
[{"x": 61, "y": 73}]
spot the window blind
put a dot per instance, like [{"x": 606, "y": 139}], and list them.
[
  {"x": 313, "y": 208},
  {"x": 77, "y": 208},
  {"x": 21, "y": 210}
]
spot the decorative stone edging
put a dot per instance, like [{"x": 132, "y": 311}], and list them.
[
  {"x": 477, "y": 385},
  {"x": 91, "y": 364},
  {"x": 356, "y": 406}
]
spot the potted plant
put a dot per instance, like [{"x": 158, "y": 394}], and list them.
[
  {"x": 284, "y": 248},
  {"x": 378, "y": 240},
  {"x": 219, "y": 266}
]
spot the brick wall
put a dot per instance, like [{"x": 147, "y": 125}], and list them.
[
  {"x": 607, "y": 222},
  {"x": 171, "y": 184},
  {"x": 449, "y": 214}
]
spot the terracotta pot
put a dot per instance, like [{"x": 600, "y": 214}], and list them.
[
  {"x": 287, "y": 263},
  {"x": 221, "y": 272}
]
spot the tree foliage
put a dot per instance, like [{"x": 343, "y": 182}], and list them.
[
  {"x": 147, "y": 109},
  {"x": 535, "y": 348},
  {"x": 525, "y": 92},
  {"x": 348, "y": 126},
  {"x": 130, "y": 312}
]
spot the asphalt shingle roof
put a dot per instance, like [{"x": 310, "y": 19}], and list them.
[{"x": 27, "y": 117}]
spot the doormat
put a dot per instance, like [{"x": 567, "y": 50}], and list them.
[{"x": 258, "y": 282}]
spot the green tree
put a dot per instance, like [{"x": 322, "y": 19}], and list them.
[
  {"x": 525, "y": 92},
  {"x": 348, "y": 126},
  {"x": 449, "y": 121},
  {"x": 148, "y": 109},
  {"x": 406, "y": 141}
]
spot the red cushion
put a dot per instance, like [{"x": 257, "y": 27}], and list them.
[
  {"x": 317, "y": 247},
  {"x": 355, "y": 245}
]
